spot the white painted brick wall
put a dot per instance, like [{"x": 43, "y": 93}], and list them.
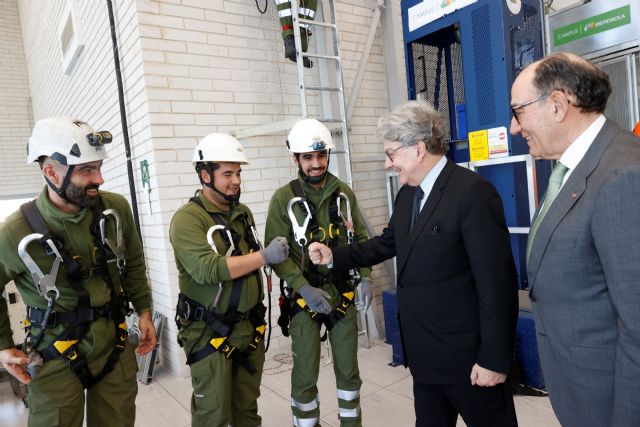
[
  {"x": 191, "y": 68},
  {"x": 16, "y": 119},
  {"x": 90, "y": 93},
  {"x": 218, "y": 66}
]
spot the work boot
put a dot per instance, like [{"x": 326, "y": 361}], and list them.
[{"x": 290, "y": 49}]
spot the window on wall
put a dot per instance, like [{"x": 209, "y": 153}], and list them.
[{"x": 71, "y": 44}]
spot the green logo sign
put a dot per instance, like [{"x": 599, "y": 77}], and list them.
[{"x": 596, "y": 24}]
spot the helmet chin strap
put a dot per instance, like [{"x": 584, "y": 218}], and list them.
[
  {"x": 61, "y": 191},
  {"x": 233, "y": 198},
  {"x": 313, "y": 180}
]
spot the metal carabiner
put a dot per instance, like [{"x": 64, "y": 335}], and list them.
[
  {"x": 348, "y": 220},
  {"x": 118, "y": 249},
  {"x": 45, "y": 283},
  {"x": 267, "y": 268},
  {"x": 212, "y": 243},
  {"x": 222, "y": 228},
  {"x": 299, "y": 231}
]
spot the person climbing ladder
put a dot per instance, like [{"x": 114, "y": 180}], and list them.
[{"x": 306, "y": 10}]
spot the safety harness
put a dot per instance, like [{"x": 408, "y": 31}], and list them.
[
  {"x": 77, "y": 322},
  {"x": 291, "y": 303},
  {"x": 220, "y": 326}
]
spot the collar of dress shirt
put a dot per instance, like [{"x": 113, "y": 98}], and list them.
[
  {"x": 430, "y": 179},
  {"x": 578, "y": 148}
]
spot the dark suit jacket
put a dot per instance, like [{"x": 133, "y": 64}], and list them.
[
  {"x": 584, "y": 274},
  {"x": 457, "y": 287}
]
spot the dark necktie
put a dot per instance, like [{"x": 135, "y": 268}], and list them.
[
  {"x": 555, "y": 182},
  {"x": 417, "y": 198}
]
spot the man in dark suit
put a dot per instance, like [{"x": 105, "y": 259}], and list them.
[
  {"x": 457, "y": 291},
  {"x": 584, "y": 242}
]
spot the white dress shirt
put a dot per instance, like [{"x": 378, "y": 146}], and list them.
[
  {"x": 430, "y": 179},
  {"x": 578, "y": 148}
]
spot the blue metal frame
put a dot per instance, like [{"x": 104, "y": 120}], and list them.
[{"x": 490, "y": 52}]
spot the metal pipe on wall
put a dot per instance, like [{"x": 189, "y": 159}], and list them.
[{"x": 123, "y": 120}]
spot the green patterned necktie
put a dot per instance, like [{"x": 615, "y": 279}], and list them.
[{"x": 555, "y": 182}]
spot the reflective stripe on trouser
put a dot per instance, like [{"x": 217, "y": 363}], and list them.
[
  {"x": 305, "y": 422},
  {"x": 306, "y": 10},
  {"x": 221, "y": 398},
  {"x": 314, "y": 405},
  {"x": 305, "y": 344},
  {"x": 349, "y": 404},
  {"x": 56, "y": 397}
]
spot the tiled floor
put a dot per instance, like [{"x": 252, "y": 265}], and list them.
[{"x": 386, "y": 396}]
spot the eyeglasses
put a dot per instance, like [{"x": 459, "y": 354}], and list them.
[
  {"x": 515, "y": 108},
  {"x": 391, "y": 153}
]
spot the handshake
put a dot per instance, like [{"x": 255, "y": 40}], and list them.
[{"x": 278, "y": 250}]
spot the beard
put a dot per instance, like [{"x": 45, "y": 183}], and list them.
[
  {"x": 314, "y": 179},
  {"x": 232, "y": 197},
  {"x": 78, "y": 195}
]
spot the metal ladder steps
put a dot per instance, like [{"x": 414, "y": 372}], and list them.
[
  {"x": 324, "y": 88},
  {"x": 316, "y": 55},
  {"x": 318, "y": 24}
]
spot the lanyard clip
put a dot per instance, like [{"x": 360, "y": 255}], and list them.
[
  {"x": 118, "y": 248},
  {"x": 45, "y": 283},
  {"x": 299, "y": 231}
]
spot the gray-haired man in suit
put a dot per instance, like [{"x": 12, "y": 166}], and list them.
[{"x": 584, "y": 245}]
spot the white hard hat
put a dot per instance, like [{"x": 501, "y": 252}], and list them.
[
  {"x": 67, "y": 140},
  {"x": 219, "y": 147},
  {"x": 309, "y": 135}
]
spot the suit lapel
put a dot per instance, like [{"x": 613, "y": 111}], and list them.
[
  {"x": 427, "y": 211},
  {"x": 569, "y": 194}
]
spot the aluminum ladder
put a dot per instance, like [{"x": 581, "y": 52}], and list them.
[{"x": 331, "y": 87}]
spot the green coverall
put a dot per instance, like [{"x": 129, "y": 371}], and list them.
[
  {"x": 220, "y": 397},
  {"x": 56, "y": 397},
  {"x": 306, "y": 10},
  {"x": 305, "y": 332}
]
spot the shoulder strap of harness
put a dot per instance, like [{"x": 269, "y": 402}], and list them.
[
  {"x": 35, "y": 220},
  {"x": 65, "y": 344}
]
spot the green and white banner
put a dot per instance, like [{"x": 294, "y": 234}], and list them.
[{"x": 593, "y": 25}]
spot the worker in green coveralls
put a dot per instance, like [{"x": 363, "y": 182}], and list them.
[
  {"x": 220, "y": 315},
  {"x": 317, "y": 206},
  {"x": 77, "y": 261}
]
